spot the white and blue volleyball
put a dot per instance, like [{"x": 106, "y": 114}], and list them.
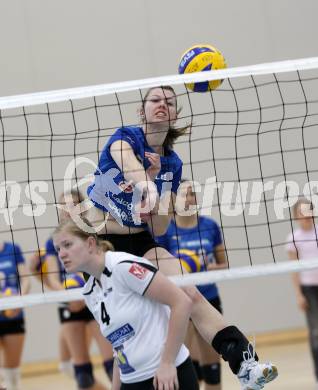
[{"x": 200, "y": 58}]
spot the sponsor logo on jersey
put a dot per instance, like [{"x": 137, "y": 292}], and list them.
[
  {"x": 138, "y": 270},
  {"x": 120, "y": 335}
]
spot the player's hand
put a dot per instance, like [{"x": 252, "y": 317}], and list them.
[
  {"x": 155, "y": 165},
  {"x": 302, "y": 302},
  {"x": 166, "y": 377},
  {"x": 76, "y": 306}
]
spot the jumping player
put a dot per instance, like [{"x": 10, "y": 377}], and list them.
[{"x": 136, "y": 167}]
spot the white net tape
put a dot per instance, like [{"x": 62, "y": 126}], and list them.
[
  {"x": 197, "y": 278},
  {"x": 105, "y": 89}
]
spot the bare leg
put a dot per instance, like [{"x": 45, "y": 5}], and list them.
[
  {"x": 12, "y": 349},
  {"x": 207, "y": 320},
  {"x": 75, "y": 335},
  {"x": 208, "y": 358}
]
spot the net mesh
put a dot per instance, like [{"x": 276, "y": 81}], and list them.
[{"x": 250, "y": 149}]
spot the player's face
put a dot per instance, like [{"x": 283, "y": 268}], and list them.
[
  {"x": 72, "y": 251},
  {"x": 160, "y": 107},
  {"x": 304, "y": 215},
  {"x": 190, "y": 198}
]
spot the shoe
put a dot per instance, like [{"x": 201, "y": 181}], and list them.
[{"x": 254, "y": 375}]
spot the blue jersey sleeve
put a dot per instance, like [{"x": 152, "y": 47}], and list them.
[
  {"x": 125, "y": 134},
  {"x": 18, "y": 254},
  {"x": 218, "y": 234},
  {"x": 49, "y": 248}
]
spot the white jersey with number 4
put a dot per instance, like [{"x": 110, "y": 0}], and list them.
[{"x": 135, "y": 325}]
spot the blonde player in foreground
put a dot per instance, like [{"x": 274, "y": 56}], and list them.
[{"x": 131, "y": 328}]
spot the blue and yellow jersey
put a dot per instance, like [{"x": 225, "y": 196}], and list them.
[
  {"x": 10, "y": 258},
  {"x": 194, "y": 247}
]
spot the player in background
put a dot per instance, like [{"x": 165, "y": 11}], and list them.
[
  {"x": 302, "y": 243},
  {"x": 197, "y": 241},
  {"x": 13, "y": 281}
]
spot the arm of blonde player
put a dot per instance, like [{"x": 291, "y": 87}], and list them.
[
  {"x": 301, "y": 299},
  {"x": 220, "y": 258},
  {"x": 161, "y": 289},
  {"x": 54, "y": 283},
  {"x": 116, "y": 378}
]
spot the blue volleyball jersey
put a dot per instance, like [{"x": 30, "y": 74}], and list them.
[
  {"x": 202, "y": 239},
  {"x": 111, "y": 193},
  {"x": 10, "y": 257}
]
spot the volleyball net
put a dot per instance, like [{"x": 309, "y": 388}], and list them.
[{"x": 250, "y": 150}]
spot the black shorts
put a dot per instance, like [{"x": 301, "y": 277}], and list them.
[
  {"x": 12, "y": 327},
  {"x": 217, "y": 304},
  {"x": 186, "y": 376},
  {"x": 67, "y": 316},
  {"x": 136, "y": 244}
]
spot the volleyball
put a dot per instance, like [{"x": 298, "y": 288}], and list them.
[
  {"x": 202, "y": 58},
  {"x": 190, "y": 261},
  {"x": 9, "y": 292},
  {"x": 74, "y": 281}
]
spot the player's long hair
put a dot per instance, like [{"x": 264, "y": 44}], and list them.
[
  {"x": 70, "y": 226},
  {"x": 173, "y": 132}
]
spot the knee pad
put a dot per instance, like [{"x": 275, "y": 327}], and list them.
[
  {"x": 84, "y": 375},
  {"x": 108, "y": 367},
  {"x": 231, "y": 343},
  {"x": 12, "y": 378},
  {"x": 211, "y": 373},
  {"x": 197, "y": 369}
]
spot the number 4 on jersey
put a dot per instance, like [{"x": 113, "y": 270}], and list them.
[{"x": 104, "y": 315}]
